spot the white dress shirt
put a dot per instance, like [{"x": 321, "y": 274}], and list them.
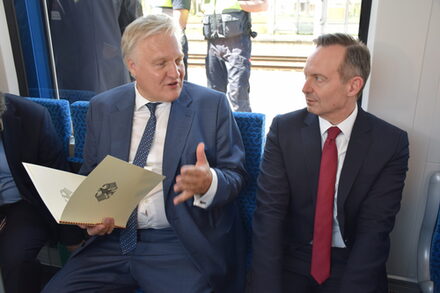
[
  {"x": 151, "y": 209},
  {"x": 342, "y": 140}
]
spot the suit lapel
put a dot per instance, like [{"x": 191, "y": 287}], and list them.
[
  {"x": 358, "y": 146},
  {"x": 179, "y": 124},
  {"x": 311, "y": 137},
  {"x": 121, "y": 123}
]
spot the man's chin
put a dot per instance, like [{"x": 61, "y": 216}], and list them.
[
  {"x": 171, "y": 98},
  {"x": 309, "y": 108}
]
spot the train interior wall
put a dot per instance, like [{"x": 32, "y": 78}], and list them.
[
  {"x": 405, "y": 90},
  {"x": 8, "y": 77}
]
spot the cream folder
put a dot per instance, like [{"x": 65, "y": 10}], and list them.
[{"x": 112, "y": 189}]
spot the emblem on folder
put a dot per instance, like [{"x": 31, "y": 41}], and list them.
[
  {"x": 65, "y": 193},
  {"x": 106, "y": 191}
]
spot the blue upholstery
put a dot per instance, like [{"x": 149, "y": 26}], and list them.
[
  {"x": 79, "y": 113},
  {"x": 428, "y": 251},
  {"x": 252, "y": 131},
  {"x": 251, "y": 127},
  {"x": 59, "y": 111},
  {"x": 70, "y": 95},
  {"x": 434, "y": 264}
]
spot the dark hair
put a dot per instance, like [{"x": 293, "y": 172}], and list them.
[{"x": 357, "y": 55}]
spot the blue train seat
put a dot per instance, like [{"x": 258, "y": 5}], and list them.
[
  {"x": 428, "y": 251},
  {"x": 79, "y": 113},
  {"x": 69, "y": 95},
  {"x": 59, "y": 111},
  {"x": 251, "y": 127}
]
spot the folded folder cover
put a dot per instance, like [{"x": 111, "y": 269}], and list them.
[{"x": 112, "y": 189}]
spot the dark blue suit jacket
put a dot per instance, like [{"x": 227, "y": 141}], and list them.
[
  {"x": 369, "y": 194},
  {"x": 213, "y": 237},
  {"x": 30, "y": 137}
]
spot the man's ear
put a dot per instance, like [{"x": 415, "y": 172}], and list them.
[
  {"x": 131, "y": 66},
  {"x": 354, "y": 86}
]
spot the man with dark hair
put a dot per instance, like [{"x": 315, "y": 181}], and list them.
[
  {"x": 330, "y": 184},
  {"x": 27, "y": 135}
]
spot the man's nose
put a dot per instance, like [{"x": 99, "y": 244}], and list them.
[
  {"x": 306, "y": 87},
  {"x": 173, "y": 71}
]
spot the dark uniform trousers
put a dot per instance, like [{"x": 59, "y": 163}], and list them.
[{"x": 228, "y": 69}]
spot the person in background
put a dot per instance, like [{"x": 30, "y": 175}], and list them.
[
  {"x": 86, "y": 37},
  {"x": 330, "y": 185},
  {"x": 186, "y": 235},
  {"x": 179, "y": 10},
  {"x": 27, "y": 135},
  {"x": 227, "y": 28}
]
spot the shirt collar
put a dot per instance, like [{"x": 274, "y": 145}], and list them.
[
  {"x": 346, "y": 126},
  {"x": 140, "y": 100}
]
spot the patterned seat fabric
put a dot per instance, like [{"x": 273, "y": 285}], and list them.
[
  {"x": 434, "y": 259},
  {"x": 59, "y": 111},
  {"x": 251, "y": 127},
  {"x": 70, "y": 95},
  {"x": 79, "y": 113},
  {"x": 428, "y": 248}
]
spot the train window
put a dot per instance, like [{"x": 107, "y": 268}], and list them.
[
  {"x": 285, "y": 34},
  {"x": 83, "y": 44}
]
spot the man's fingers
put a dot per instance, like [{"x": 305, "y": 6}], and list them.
[
  {"x": 182, "y": 197},
  {"x": 106, "y": 227},
  {"x": 109, "y": 225},
  {"x": 193, "y": 173},
  {"x": 193, "y": 179},
  {"x": 201, "y": 156},
  {"x": 96, "y": 230},
  {"x": 194, "y": 182}
]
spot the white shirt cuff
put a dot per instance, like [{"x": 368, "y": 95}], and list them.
[{"x": 205, "y": 200}]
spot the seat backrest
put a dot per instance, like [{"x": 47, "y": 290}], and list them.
[
  {"x": 69, "y": 95},
  {"x": 79, "y": 113},
  {"x": 428, "y": 251},
  {"x": 59, "y": 111},
  {"x": 251, "y": 127}
]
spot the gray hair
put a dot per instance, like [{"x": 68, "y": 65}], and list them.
[
  {"x": 144, "y": 27},
  {"x": 357, "y": 55}
]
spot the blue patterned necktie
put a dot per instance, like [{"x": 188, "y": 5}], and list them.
[{"x": 128, "y": 236}]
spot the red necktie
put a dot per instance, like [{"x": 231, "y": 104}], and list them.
[{"x": 322, "y": 232}]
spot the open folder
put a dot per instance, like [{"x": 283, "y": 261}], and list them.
[{"x": 112, "y": 189}]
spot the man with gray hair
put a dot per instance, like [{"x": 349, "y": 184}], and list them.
[
  {"x": 330, "y": 184},
  {"x": 186, "y": 235},
  {"x": 27, "y": 135}
]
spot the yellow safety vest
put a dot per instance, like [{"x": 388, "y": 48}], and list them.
[
  {"x": 218, "y": 6},
  {"x": 163, "y": 3}
]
